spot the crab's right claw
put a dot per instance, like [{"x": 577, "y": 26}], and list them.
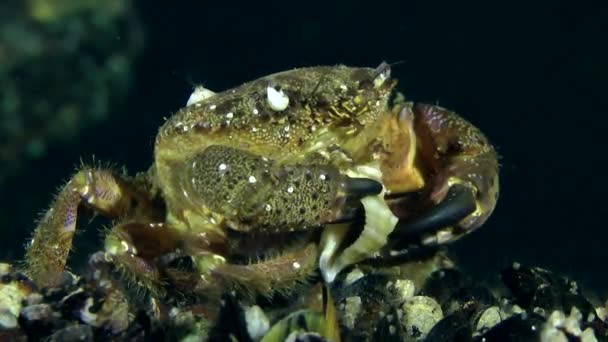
[
  {"x": 458, "y": 204},
  {"x": 460, "y": 186}
]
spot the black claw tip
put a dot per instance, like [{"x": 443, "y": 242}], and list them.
[
  {"x": 361, "y": 187},
  {"x": 458, "y": 204}
]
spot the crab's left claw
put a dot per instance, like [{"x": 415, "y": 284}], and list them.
[{"x": 461, "y": 177}]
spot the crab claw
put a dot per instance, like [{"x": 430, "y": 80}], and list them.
[
  {"x": 460, "y": 171},
  {"x": 362, "y": 187},
  {"x": 456, "y": 206}
]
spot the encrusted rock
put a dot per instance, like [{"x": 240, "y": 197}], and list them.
[
  {"x": 489, "y": 318},
  {"x": 420, "y": 314},
  {"x": 405, "y": 289},
  {"x": 560, "y": 327},
  {"x": 352, "y": 309}
]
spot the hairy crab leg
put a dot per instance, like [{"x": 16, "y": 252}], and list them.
[
  {"x": 105, "y": 192},
  {"x": 281, "y": 273},
  {"x": 143, "y": 251}
]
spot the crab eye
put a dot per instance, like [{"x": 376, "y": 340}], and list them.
[
  {"x": 383, "y": 73},
  {"x": 277, "y": 100}
]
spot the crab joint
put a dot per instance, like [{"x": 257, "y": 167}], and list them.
[{"x": 277, "y": 100}]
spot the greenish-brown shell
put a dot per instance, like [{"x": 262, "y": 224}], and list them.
[
  {"x": 321, "y": 98},
  {"x": 328, "y": 109}
]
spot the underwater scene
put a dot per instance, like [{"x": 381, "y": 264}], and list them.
[{"x": 302, "y": 171}]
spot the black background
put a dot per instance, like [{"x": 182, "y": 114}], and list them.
[{"x": 532, "y": 75}]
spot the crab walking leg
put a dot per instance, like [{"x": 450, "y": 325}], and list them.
[
  {"x": 107, "y": 193},
  {"x": 280, "y": 273}
]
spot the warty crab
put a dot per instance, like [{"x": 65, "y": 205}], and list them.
[{"x": 261, "y": 186}]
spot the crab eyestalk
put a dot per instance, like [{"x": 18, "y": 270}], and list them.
[{"x": 463, "y": 177}]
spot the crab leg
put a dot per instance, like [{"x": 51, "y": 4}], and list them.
[
  {"x": 101, "y": 189},
  {"x": 280, "y": 273}
]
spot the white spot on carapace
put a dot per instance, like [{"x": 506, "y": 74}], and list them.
[
  {"x": 322, "y": 177},
  {"x": 290, "y": 189},
  {"x": 199, "y": 94},
  {"x": 343, "y": 87},
  {"x": 277, "y": 100},
  {"x": 212, "y": 107},
  {"x": 253, "y": 129},
  {"x": 252, "y": 179},
  {"x": 267, "y": 207},
  {"x": 222, "y": 167},
  {"x": 255, "y": 111},
  {"x": 296, "y": 265},
  {"x": 286, "y": 128},
  {"x": 230, "y": 115}
]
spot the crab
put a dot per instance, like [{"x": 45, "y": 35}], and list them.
[{"x": 264, "y": 185}]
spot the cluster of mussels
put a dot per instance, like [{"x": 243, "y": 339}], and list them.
[{"x": 437, "y": 303}]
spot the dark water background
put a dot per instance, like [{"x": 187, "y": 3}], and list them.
[{"x": 532, "y": 75}]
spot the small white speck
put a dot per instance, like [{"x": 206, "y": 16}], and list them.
[
  {"x": 286, "y": 128},
  {"x": 322, "y": 177},
  {"x": 252, "y": 179},
  {"x": 185, "y": 193},
  {"x": 290, "y": 189},
  {"x": 267, "y": 207},
  {"x": 212, "y": 107},
  {"x": 296, "y": 265},
  {"x": 230, "y": 115},
  {"x": 255, "y": 111},
  {"x": 253, "y": 129},
  {"x": 222, "y": 167}
]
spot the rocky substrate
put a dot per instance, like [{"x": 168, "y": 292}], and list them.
[{"x": 443, "y": 304}]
